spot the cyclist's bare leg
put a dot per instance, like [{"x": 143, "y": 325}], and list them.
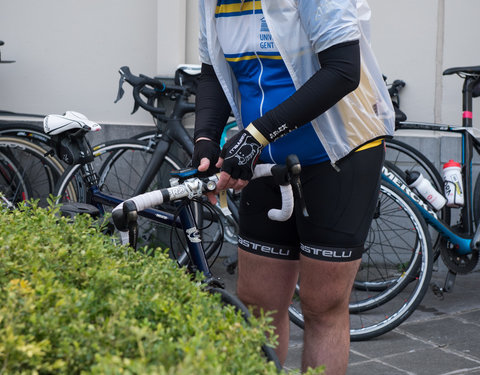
[
  {"x": 324, "y": 293},
  {"x": 269, "y": 283}
]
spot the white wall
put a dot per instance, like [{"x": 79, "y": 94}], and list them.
[
  {"x": 462, "y": 48},
  {"x": 68, "y": 52},
  {"x": 417, "y": 40}
]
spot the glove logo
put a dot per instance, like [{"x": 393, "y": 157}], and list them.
[
  {"x": 244, "y": 152},
  {"x": 240, "y": 155}
]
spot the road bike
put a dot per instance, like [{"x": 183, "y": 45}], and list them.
[{"x": 458, "y": 242}]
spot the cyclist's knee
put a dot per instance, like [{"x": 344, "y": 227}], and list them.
[
  {"x": 325, "y": 304},
  {"x": 263, "y": 299},
  {"x": 329, "y": 306}
]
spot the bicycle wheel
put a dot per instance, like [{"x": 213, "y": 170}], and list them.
[
  {"x": 476, "y": 201},
  {"x": 13, "y": 185},
  {"x": 395, "y": 270},
  {"x": 228, "y": 298},
  {"x": 405, "y": 157},
  {"x": 120, "y": 165},
  {"x": 27, "y": 131},
  {"x": 39, "y": 170}
]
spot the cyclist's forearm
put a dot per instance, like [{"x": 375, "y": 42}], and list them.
[
  {"x": 338, "y": 76},
  {"x": 212, "y": 107}
]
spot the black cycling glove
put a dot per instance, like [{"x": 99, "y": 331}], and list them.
[
  {"x": 206, "y": 149},
  {"x": 240, "y": 155}
]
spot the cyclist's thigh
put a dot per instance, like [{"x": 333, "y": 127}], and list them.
[
  {"x": 269, "y": 250},
  {"x": 341, "y": 205},
  {"x": 260, "y": 235}
]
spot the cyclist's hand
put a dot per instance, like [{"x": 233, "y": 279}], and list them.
[
  {"x": 237, "y": 160},
  {"x": 205, "y": 156}
]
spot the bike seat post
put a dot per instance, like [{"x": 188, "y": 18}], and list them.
[
  {"x": 467, "y": 101},
  {"x": 467, "y": 121}
]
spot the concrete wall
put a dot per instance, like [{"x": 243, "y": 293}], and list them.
[
  {"x": 416, "y": 41},
  {"x": 68, "y": 52}
]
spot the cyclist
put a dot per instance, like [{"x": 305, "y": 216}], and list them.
[{"x": 300, "y": 77}]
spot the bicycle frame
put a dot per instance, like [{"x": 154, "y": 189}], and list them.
[
  {"x": 463, "y": 244},
  {"x": 185, "y": 221},
  {"x": 175, "y": 131},
  {"x": 469, "y": 143},
  {"x": 469, "y": 239}
]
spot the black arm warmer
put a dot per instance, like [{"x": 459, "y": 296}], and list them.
[
  {"x": 338, "y": 76},
  {"x": 211, "y": 106}
]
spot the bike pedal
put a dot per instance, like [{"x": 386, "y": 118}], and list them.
[{"x": 437, "y": 291}]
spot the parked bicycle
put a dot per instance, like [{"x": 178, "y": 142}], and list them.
[{"x": 459, "y": 242}]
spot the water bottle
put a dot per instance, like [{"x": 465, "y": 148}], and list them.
[
  {"x": 425, "y": 189},
  {"x": 452, "y": 177}
]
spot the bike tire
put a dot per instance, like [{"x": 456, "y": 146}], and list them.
[
  {"x": 395, "y": 271},
  {"x": 14, "y": 187},
  {"x": 27, "y": 131},
  {"x": 41, "y": 171}
]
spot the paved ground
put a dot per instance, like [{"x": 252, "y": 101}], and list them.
[{"x": 442, "y": 337}]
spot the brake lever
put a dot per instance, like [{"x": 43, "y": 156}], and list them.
[
  {"x": 135, "y": 107},
  {"x": 121, "y": 91},
  {"x": 131, "y": 216},
  {"x": 294, "y": 169}
]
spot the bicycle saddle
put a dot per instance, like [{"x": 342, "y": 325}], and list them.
[
  {"x": 56, "y": 124},
  {"x": 463, "y": 69},
  {"x": 187, "y": 75}
]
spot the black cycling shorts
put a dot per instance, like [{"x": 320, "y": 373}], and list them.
[{"x": 340, "y": 207}]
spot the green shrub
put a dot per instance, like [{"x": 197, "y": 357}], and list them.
[{"x": 72, "y": 302}]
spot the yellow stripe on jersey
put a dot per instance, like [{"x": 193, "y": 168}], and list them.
[
  {"x": 277, "y": 57},
  {"x": 235, "y": 8},
  {"x": 241, "y": 58},
  {"x": 251, "y": 57}
]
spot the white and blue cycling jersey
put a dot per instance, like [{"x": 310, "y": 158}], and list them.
[{"x": 263, "y": 78}]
